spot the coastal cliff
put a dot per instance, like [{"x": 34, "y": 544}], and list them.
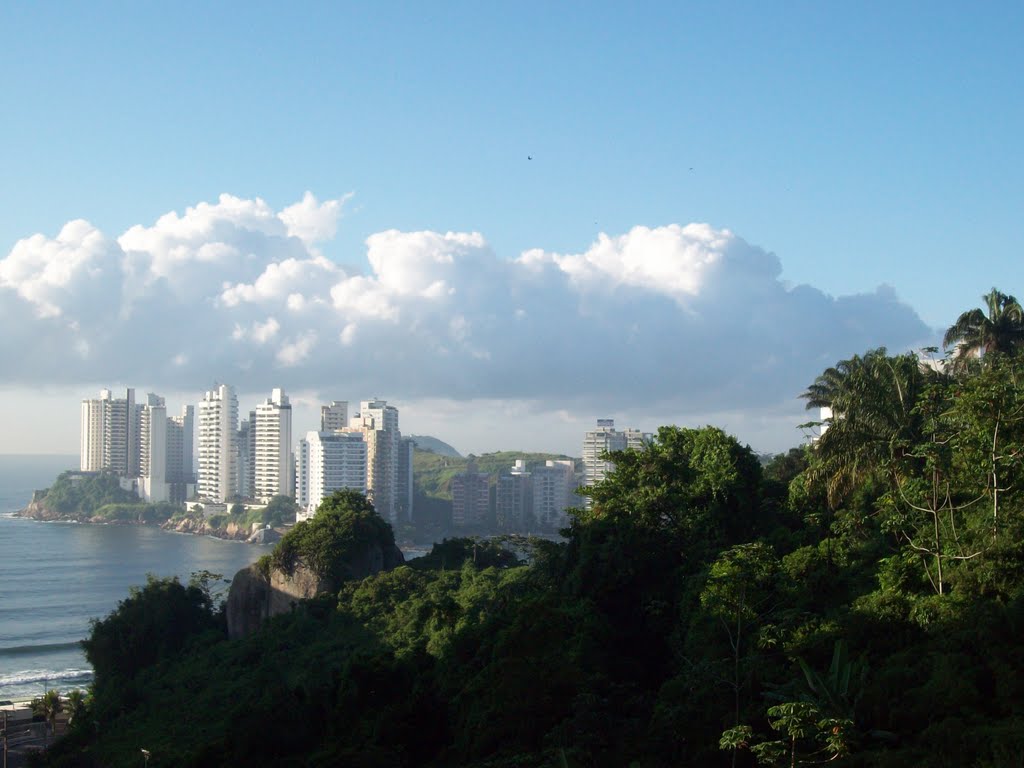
[
  {"x": 257, "y": 594},
  {"x": 346, "y": 541}
]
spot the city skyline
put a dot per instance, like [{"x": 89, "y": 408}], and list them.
[
  {"x": 335, "y": 414},
  {"x": 254, "y": 460},
  {"x": 668, "y": 215}
]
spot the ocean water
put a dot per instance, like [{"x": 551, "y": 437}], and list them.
[{"x": 56, "y": 577}]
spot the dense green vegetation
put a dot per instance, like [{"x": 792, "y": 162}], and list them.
[
  {"x": 859, "y": 602},
  {"x": 345, "y": 526},
  {"x": 99, "y": 497},
  {"x": 75, "y": 494},
  {"x": 137, "y": 513}
]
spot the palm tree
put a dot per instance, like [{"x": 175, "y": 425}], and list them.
[
  {"x": 77, "y": 703},
  {"x": 48, "y": 706},
  {"x": 872, "y": 399},
  {"x": 975, "y": 332}
]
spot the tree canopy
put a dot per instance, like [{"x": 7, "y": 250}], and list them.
[{"x": 344, "y": 526}]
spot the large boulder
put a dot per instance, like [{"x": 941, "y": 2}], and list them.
[
  {"x": 248, "y": 602},
  {"x": 256, "y": 596},
  {"x": 346, "y": 540}
]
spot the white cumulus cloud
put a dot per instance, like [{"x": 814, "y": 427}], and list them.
[
  {"x": 233, "y": 290},
  {"x": 312, "y": 221}
]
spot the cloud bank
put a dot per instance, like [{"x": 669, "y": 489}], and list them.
[{"x": 690, "y": 316}]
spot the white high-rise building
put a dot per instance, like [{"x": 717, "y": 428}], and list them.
[
  {"x": 606, "y": 439},
  {"x": 272, "y": 463},
  {"x": 383, "y": 416},
  {"x": 382, "y": 471},
  {"x": 110, "y": 434},
  {"x": 825, "y": 415},
  {"x": 302, "y": 476},
  {"x": 378, "y": 423},
  {"x": 330, "y": 461},
  {"x": 217, "y": 419},
  {"x": 554, "y": 487},
  {"x": 153, "y": 449},
  {"x": 597, "y": 442},
  {"x": 181, "y": 473},
  {"x": 334, "y": 417},
  {"x": 93, "y": 416},
  {"x": 635, "y": 439},
  {"x": 139, "y": 441},
  {"x": 121, "y": 434}
]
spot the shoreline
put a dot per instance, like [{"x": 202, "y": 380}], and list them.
[
  {"x": 24, "y": 514},
  {"x": 180, "y": 526}
]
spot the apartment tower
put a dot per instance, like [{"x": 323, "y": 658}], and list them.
[
  {"x": 153, "y": 449},
  {"x": 272, "y": 462},
  {"x": 334, "y": 417},
  {"x": 471, "y": 497},
  {"x": 606, "y": 439},
  {"x": 378, "y": 423},
  {"x": 217, "y": 419},
  {"x": 330, "y": 461},
  {"x": 110, "y": 434}
]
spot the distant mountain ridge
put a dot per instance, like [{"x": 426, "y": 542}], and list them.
[{"x": 432, "y": 444}]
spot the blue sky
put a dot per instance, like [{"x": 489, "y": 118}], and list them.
[{"x": 860, "y": 144}]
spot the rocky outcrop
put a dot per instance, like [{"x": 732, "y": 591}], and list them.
[
  {"x": 264, "y": 536},
  {"x": 37, "y": 510},
  {"x": 248, "y": 602},
  {"x": 256, "y": 596},
  {"x": 200, "y": 527}
]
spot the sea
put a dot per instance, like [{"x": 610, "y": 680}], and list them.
[{"x": 57, "y": 577}]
